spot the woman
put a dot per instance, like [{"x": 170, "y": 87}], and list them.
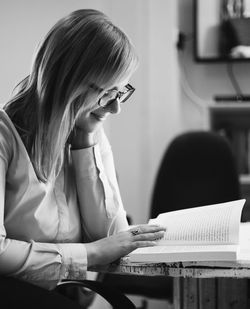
[{"x": 61, "y": 210}]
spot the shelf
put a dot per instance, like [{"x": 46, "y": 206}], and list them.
[
  {"x": 230, "y": 105},
  {"x": 233, "y": 115},
  {"x": 245, "y": 179},
  {"x": 232, "y": 98},
  {"x": 232, "y": 121}
]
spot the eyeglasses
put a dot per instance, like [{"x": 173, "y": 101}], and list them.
[{"x": 112, "y": 95}]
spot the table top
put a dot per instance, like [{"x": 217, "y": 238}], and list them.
[{"x": 239, "y": 269}]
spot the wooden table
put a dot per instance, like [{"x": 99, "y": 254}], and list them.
[{"x": 218, "y": 285}]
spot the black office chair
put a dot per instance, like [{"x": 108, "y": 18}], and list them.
[
  {"x": 20, "y": 294},
  {"x": 112, "y": 295},
  {"x": 198, "y": 168}
]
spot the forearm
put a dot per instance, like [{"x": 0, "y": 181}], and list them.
[
  {"x": 91, "y": 193},
  {"x": 98, "y": 193},
  {"x": 43, "y": 264}
]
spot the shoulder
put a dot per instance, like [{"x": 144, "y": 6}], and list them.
[{"x": 6, "y": 136}]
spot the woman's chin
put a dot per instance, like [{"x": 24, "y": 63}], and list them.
[
  {"x": 91, "y": 123},
  {"x": 98, "y": 118}
]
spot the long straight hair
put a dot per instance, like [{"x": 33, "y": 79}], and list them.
[{"x": 83, "y": 48}]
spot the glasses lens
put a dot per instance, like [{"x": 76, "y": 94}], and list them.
[
  {"x": 125, "y": 96},
  {"x": 126, "y": 93},
  {"x": 107, "y": 98},
  {"x": 112, "y": 95}
]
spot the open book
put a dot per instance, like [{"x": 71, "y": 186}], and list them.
[{"x": 206, "y": 233}]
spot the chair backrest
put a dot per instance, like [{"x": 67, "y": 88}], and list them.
[{"x": 198, "y": 168}]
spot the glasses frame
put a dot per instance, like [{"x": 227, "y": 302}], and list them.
[{"x": 119, "y": 94}]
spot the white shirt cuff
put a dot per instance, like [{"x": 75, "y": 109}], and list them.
[{"x": 74, "y": 261}]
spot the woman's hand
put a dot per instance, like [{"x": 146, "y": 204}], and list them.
[{"x": 109, "y": 249}]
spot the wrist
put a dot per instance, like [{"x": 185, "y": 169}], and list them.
[
  {"x": 81, "y": 139},
  {"x": 92, "y": 256}
]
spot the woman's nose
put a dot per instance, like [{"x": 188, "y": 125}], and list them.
[{"x": 114, "y": 107}]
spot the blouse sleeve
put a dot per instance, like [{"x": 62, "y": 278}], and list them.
[{"x": 98, "y": 192}]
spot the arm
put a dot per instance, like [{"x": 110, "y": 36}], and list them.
[
  {"x": 119, "y": 220},
  {"x": 98, "y": 193},
  {"x": 101, "y": 207},
  {"x": 43, "y": 264}
]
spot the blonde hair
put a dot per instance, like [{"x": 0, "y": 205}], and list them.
[{"x": 81, "y": 49}]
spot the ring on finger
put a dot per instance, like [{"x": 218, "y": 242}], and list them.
[{"x": 135, "y": 232}]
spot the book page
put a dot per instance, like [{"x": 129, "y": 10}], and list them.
[
  {"x": 244, "y": 250},
  {"x": 212, "y": 224}
]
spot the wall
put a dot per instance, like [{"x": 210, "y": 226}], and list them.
[
  {"x": 142, "y": 131},
  {"x": 199, "y": 82},
  {"x": 149, "y": 121}
]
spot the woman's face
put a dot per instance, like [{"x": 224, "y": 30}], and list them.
[{"x": 94, "y": 115}]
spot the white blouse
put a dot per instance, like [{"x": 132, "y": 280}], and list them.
[{"x": 43, "y": 227}]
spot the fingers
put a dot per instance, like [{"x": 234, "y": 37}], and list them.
[
  {"x": 146, "y": 235},
  {"x": 149, "y": 236},
  {"x": 141, "y": 244},
  {"x": 146, "y": 228},
  {"x": 151, "y": 228}
]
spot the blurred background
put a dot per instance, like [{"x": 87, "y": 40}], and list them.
[{"x": 183, "y": 73}]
